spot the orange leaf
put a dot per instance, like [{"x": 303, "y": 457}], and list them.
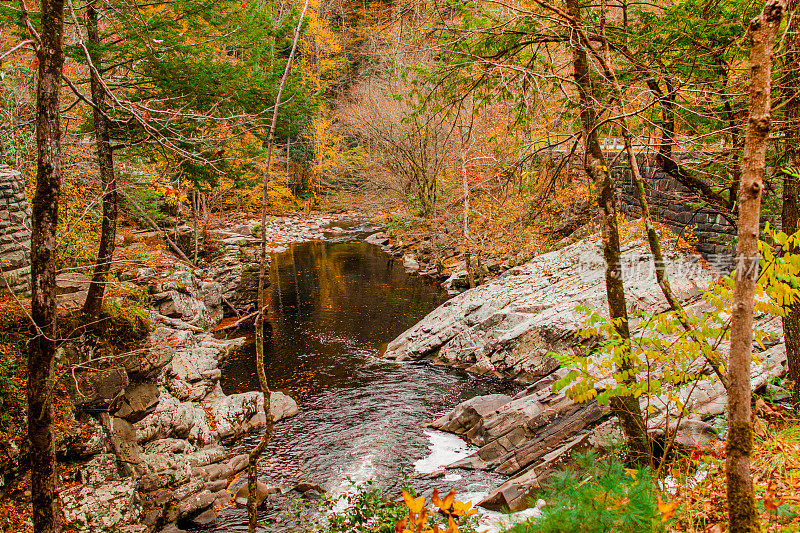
[
  {"x": 453, "y": 527},
  {"x": 449, "y": 499},
  {"x": 436, "y": 500},
  {"x": 415, "y": 506},
  {"x": 770, "y": 501},
  {"x": 400, "y": 526},
  {"x": 667, "y": 510}
]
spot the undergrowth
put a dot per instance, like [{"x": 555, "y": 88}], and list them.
[
  {"x": 367, "y": 509},
  {"x": 598, "y": 496}
]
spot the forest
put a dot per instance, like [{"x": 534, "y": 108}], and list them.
[{"x": 399, "y": 266}]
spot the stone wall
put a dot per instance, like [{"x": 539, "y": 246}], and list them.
[
  {"x": 676, "y": 206},
  {"x": 671, "y": 203},
  {"x": 15, "y": 233}
]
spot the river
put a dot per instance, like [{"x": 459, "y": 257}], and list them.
[{"x": 333, "y": 306}]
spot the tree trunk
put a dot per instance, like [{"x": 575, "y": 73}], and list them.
[
  {"x": 626, "y": 408},
  {"x": 105, "y": 160},
  {"x": 252, "y": 474},
  {"x": 791, "y": 189},
  {"x": 763, "y": 30},
  {"x": 465, "y": 183},
  {"x": 41, "y": 350}
]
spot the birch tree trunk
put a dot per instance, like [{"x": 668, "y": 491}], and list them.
[{"x": 763, "y": 31}]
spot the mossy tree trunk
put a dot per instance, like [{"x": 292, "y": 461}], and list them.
[{"x": 42, "y": 347}]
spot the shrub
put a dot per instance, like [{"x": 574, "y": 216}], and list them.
[
  {"x": 399, "y": 222},
  {"x": 365, "y": 509},
  {"x": 598, "y": 496},
  {"x": 140, "y": 201},
  {"x": 128, "y": 316}
]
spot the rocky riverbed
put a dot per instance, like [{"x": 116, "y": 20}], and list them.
[{"x": 508, "y": 326}]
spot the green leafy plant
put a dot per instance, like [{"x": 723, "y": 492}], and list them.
[
  {"x": 397, "y": 222},
  {"x": 128, "y": 316},
  {"x": 362, "y": 509},
  {"x": 599, "y": 496},
  {"x": 663, "y": 355},
  {"x": 140, "y": 201}
]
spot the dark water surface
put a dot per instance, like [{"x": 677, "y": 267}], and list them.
[{"x": 333, "y": 307}]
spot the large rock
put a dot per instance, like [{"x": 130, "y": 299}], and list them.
[
  {"x": 100, "y": 508},
  {"x": 183, "y": 295},
  {"x": 98, "y": 389},
  {"x": 239, "y": 413},
  {"x": 378, "y": 239},
  {"x": 236, "y": 269},
  {"x": 467, "y": 418},
  {"x": 508, "y": 326},
  {"x": 138, "y": 401}
]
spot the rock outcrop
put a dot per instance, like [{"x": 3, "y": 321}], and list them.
[
  {"x": 156, "y": 454},
  {"x": 508, "y": 326}
]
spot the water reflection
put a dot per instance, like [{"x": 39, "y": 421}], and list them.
[{"x": 329, "y": 302}]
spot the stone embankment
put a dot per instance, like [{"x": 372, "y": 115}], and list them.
[
  {"x": 15, "y": 233},
  {"x": 507, "y": 328},
  {"x": 155, "y": 445},
  {"x": 156, "y": 419}
]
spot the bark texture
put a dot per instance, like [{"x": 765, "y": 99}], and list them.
[
  {"x": 626, "y": 408},
  {"x": 105, "y": 161},
  {"x": 790, "y": 215},
  {"x": 252, "y": 474},
  {"x": 42, "y": 347},
  {"x": 742, "y": 512}
]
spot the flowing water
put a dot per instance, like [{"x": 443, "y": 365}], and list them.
[{"x": 333, "y": 307}]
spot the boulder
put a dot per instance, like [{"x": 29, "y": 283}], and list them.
[
  {"x": 99, "y": 508},
  {"x": 468, "y": 416},
  {"x": 236, "y": 270},
  {"x": 125, "y": 442},
  {"x": 507, "y": 326},
  {"x": 239, "y": 413},
  {"x": 96, "y": 390},
  {"x": 184, "y": 295},
  {"x": 378, "y": 239},
  {"x": 305, "y": 486},
  {"x": 91, "y": 440},
  {"x": 100, "y": 469},
  {"x": 138, "y": 401},
  {"x": 410, "y": 264},
  {"x": 262, "y": 491}
]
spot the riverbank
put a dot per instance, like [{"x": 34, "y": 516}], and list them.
[
  {"x": 510, "y": 326},
  {"x": 145, "y": 424}
]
